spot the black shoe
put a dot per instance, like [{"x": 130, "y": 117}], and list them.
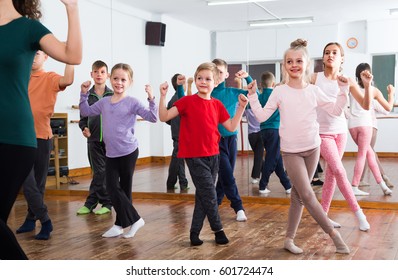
[
  {"x": 318, "y": 182},
  {"x": 195, "y": 241},
  {"x": 221, "y": 238}
]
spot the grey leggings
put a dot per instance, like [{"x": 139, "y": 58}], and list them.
[{"x": 301, "y": 168}]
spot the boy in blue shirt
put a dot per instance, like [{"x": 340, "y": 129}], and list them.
[
  {"x": 270, "y": 136},
  {"x": 226, "y": 185}
]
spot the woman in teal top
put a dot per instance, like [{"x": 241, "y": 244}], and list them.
[{"x": 22, "y": 35}]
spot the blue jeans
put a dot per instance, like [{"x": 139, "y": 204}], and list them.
[
  {"x": 273, "y": 159},
  {"x": 226, "y": 184}
]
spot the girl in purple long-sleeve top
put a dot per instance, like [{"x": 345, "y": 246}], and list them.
[{"x": 119, "y": 113}]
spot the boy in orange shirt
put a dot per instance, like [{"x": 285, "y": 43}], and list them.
[{"x": 43, "y": 90}]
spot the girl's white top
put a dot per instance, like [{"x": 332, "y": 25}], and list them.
[{"x": 328, "y": 123}]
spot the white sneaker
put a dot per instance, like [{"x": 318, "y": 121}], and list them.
[
  {"x": 254, "y": 181},
  {"x": 241, "y": 216},
  {"x": 264, "y": 191},
  {"x": 357, "y": 191},
  {"x": 289, "y": 191}
]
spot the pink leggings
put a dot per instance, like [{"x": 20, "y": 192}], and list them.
[
  {"x": 362, "y": 136},
  {"x": 332, "y": 150}
]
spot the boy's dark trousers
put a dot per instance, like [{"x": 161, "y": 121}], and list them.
[
  {"x": 204, "y": 173},
  {"x": 226, "y": 184},
  {"x": 176, "y": 170},
  {"x": 98, "y": 192},
  {"x": 273, "y": 159}
]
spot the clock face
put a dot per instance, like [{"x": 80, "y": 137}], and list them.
[{"x": 352, "y": 43}]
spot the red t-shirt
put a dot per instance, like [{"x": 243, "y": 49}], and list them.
[{"x": 199, "y": 134}]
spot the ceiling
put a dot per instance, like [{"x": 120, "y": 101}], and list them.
[{"x": 235, "y": 17}]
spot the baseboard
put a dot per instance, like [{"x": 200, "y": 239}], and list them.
[
  {"x": 83, "y": 171},
  {"x": 159, "y": 159}
]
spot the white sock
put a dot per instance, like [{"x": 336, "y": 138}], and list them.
[
  {"x": 113, "y": 231},
  {"x": 289, "y": 245},
  {"x": 334, "y": 224},
  {"x": 384, "y": 188},
  {"x": 134, "y": 228},
  {"x": 357, "y": 191},
  {"x": 363, "y": 223}
]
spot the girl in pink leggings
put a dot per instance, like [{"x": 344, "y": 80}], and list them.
[
  {"x": 360, "y": 127},
  {"x": 297, "y": 101},
  {"x": 333, "y": 132}
]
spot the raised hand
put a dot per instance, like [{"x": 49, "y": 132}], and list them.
[
  {"x": 148, "y": 90},
  {"x": 181, "y": 80},
  {"x": 243, "y": 100},
  {"x": 241, "y": 74},
  {"x": 366, "y": 78},
  {"x": 163, "y": 89},
  {"x": 252, "y": 87},
  {"x": 342, "y": 81},
  {"x": 84, "y": 88}
]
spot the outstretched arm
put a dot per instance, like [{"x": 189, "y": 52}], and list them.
[
  {"x": 164, "y": 114},
  {"x": 69, "y": 52}
]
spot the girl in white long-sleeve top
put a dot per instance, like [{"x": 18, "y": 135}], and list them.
[{"x": 297, "y": 101}]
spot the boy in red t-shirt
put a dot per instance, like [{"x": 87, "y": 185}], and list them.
[{"x": 200, "y": 114}]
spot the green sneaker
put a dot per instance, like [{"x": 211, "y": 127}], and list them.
[
  {"x": 83, "y": 211},
  {"x": 102, "y": 211}
]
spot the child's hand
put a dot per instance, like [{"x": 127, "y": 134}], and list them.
[
  {"x": 190, "y": 81},
  {"x": 252, "y": 87},
  {"x": 85, "y": 87},
  {"x": 86, "y": 132},
  {"x": 241, "y": 74},
  {"x": 148, "y": 90},
  {"x": 181, "y": 80},
  {"x": 163, "y": 89},
  {"x": 243, "y": 100},
  {"x": 342, "y": 81},
  {"x": 366, "y": 78},
  {"x": 391, "y": 90}
]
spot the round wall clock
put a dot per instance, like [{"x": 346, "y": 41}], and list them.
[{"x": 352, "y": 43}]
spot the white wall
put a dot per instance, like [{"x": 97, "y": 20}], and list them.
[
  {"x": 115, "y": 32},
  {"x": 269, "y": 45}
]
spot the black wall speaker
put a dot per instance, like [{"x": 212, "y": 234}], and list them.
[{"x": 155, "y": 33}]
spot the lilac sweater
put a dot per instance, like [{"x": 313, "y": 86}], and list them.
[
  {"x": 118, "y": 121},
  {"x": 299, "y": 130}
]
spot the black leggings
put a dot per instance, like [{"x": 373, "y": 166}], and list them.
[{"x": 15, "y": 164}]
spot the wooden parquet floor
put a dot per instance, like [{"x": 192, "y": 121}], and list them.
[{"x": 165, "y": 235}]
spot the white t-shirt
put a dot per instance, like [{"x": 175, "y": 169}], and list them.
[{"x": 328, "y": 123}]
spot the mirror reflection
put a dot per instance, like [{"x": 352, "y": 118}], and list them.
[{"x": 253, "y": 50}]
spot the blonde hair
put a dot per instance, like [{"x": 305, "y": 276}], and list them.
[
  {"x": 208, "y": 66},
  {"x": 298, "y": 45},
  {"x": 125, "y": 67}
]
